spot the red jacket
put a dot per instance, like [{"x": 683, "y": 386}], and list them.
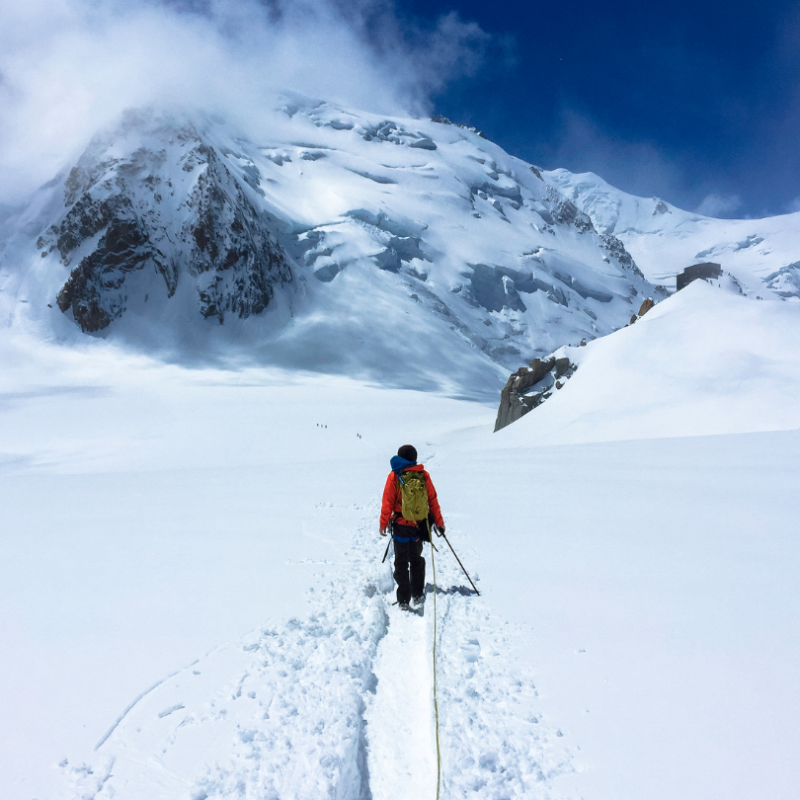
[{"x": 392, "y": 501}]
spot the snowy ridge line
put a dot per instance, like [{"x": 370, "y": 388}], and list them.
[
  {"x": 664, "y": 239},
  {"x": 348, "y": 690}
]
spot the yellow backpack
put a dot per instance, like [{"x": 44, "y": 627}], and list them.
[{"x": 414, "y": 496}]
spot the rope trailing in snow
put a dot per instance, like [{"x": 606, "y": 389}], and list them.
[{"x": 435, "y": 695}]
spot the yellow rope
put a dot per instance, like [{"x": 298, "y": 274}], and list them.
[{"x": 435, "y": 695}]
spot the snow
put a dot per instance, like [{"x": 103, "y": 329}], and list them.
[
  {"x": 664, "y": 240},
  {"x": 192, "y": 602},
  {"x": 658, "y": 583},
  {"x": 705, "y": 361}
]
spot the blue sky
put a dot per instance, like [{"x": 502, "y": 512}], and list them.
[{"x": 696, "y": 102}]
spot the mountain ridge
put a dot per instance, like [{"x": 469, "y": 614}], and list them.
[{"x": 763, "y": 253}]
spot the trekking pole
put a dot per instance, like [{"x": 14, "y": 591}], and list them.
[
  {"x": 390, "y": 534},
  {"x": 460, "y": 564}
]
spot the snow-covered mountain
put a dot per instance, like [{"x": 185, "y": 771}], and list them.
[
  {"x": 323, "y": 244},
  {"x": 763, "y": 254}
]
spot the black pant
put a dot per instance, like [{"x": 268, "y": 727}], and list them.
[{"x": 409, "y": 565}]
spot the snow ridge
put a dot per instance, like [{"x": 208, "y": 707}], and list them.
[
  {"x": 339, "y": 705},
  {"x": 761, "y": 253}
]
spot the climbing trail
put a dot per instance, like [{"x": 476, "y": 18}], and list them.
[
  {"x": 340, "y": 704},
  {"x": 400, "y": 734}
]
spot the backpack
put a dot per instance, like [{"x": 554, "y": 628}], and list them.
[{"x": 414, "y": 496}]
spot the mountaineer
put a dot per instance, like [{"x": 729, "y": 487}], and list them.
[{"x": 408, "y": 509}]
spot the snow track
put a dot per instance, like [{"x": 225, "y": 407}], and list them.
[
  {"x": 400, "y": 724},
  {"x": 339, "y": 705}
]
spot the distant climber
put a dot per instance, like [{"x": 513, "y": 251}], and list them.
[{"x": 409, "y": 508}]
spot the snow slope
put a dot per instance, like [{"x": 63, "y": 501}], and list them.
[
  {"x": 704, "y": 362},
  {"x": 764, "y": 254},
  {"x": 192, "y": 596}
]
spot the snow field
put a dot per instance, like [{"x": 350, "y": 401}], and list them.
[
  {"x": 638, "y": 597},
  {"x": 657, "y": 585},
  {"x": 278, "y": 715},
  {"x": 496, "y": 741},
  {"x": 337, "y": 705}
]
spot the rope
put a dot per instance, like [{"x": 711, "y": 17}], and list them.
[{"x": 435, "y": 694}]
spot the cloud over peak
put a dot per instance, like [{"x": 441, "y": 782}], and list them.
[
  {"x": 69, "y": 67},
  {"x": 719, "y": 205}
]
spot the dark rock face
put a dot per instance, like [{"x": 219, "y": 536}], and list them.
[
  {"x": 93, "y": 286},
  {"x": 646, "y": 305},
  {"x": 661, "y": 207},
  {"x": 176, "y": 212},
  {"x": 617, "y": 249},
  {"x": 565, "y": 212},
  {"x": 705, "y": 271},
  {"x": 529, "y": 387}
]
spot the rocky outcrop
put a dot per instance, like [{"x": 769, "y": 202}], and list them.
[
  {"x": 617, "y": 250},
  {"x": 565, "y": 212},
  {"x": 646, "y": 305},
  {"x": 529, "y": 387},
  {"x": 93, "y": 287},
  {"x": 174, "y": 211}
]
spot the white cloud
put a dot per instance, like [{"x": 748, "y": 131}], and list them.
[
  {"x": 719, "y": 205},
  {"x": 69, "y": 67},
  {"x": 638, "y": 167}
]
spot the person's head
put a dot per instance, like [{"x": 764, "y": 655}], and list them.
[{"x": 408, "y": 452}]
